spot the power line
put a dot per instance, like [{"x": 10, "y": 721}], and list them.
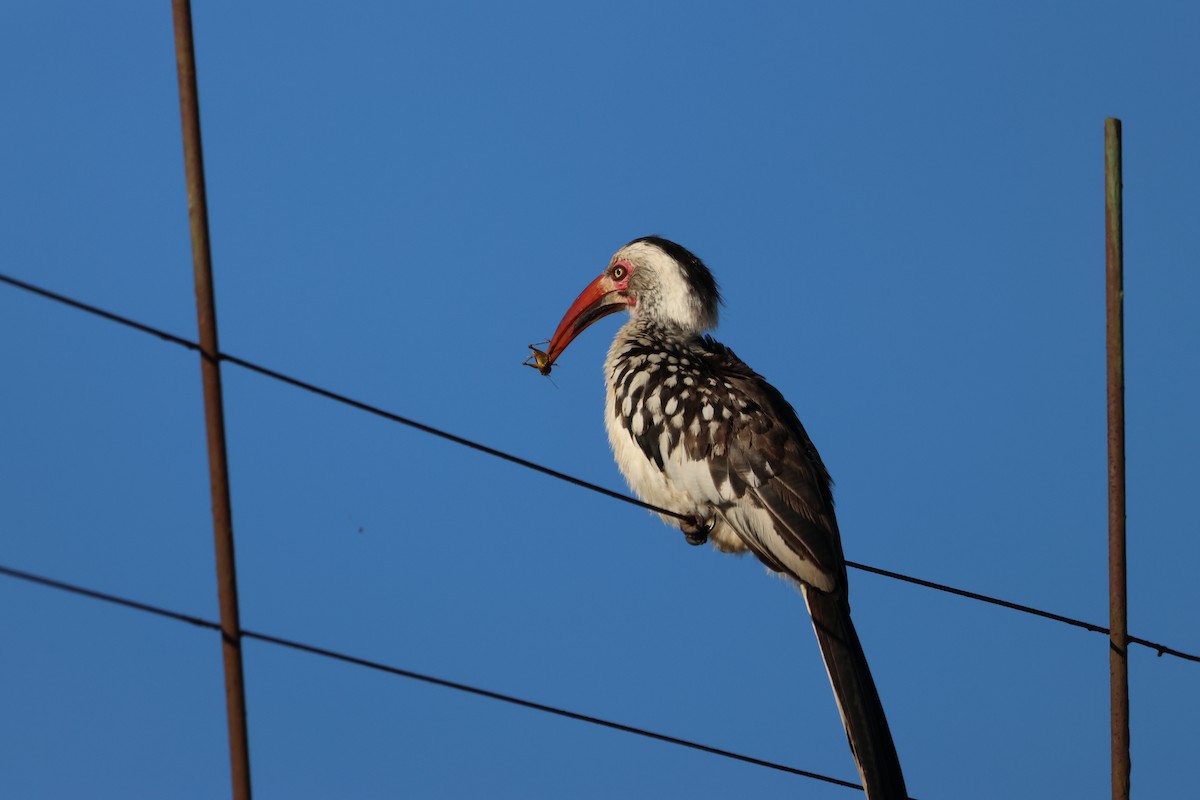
[
  {"x": 340, "y": 398},
  {"x": 322, "y": 652},
  {"x": 41, "y": 580},
  {"x": 619, "y": 726},
  {"x": 1161, "y": 649}
]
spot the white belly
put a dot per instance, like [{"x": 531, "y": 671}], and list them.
[{"x": 683, "y": 486}]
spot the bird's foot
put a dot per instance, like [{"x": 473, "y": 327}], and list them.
[{"x": 696, "y": 531}]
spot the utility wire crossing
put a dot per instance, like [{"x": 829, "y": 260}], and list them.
[
  {"x": 1159, "y": 648},
  {"x": 322, "y": 652}
]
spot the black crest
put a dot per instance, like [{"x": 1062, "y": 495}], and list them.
[{"x": 697, "y": 274}]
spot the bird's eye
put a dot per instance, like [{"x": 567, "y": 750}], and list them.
[{"x": 618, "y": 272}]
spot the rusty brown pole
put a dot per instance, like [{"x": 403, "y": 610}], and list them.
[
  {"x": 214, "y": 414},
  {"x": 1118, "y": 619}
]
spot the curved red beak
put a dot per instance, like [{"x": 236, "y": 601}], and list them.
[{"x": 599, "y": 299}]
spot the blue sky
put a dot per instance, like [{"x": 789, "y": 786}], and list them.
[{"x": 904, "y": 209}]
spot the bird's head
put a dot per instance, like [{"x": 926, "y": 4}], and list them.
[{"x": 658, "y": 281}]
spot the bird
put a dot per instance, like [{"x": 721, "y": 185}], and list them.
[{"x": 697, "y": 432}]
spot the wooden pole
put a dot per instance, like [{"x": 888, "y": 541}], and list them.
[
  {"x": 1118, "y": 654},
  {"x": 214, "y": 413}
]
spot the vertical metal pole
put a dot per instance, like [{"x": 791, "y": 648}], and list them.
[
  {"x": 1118, "y": 661},
  {"x": 214, "y": 415}
]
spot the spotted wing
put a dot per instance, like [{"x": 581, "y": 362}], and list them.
[{"x": 766, "y": 477}]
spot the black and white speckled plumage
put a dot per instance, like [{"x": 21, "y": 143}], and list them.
[
  {"x": 696, "y": 431},
  {"x": 721, "y": 442}
]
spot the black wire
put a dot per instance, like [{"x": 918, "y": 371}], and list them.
[
  {"x": 417, "y": 676},
  {"x": 107, "y": 598},
  {"x": 1161, "y": 649},
  {"x": 483, "y": 448},
  {"x": 517, "y": 701},
  {"x": 1037, "y": 612},
  {"x": 99, "y": 312},
  {"x": 341, "y": 398}
]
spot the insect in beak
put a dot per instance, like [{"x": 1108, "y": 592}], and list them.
[{"x": 539, "y": 360}]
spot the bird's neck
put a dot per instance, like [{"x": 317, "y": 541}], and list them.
[
  {"x": 647, "y": 342},
  {"x": 668, "y": 334}
]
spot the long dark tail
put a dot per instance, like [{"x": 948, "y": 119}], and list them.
[{"x": 857, "y": 699}]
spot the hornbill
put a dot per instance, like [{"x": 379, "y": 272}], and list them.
[{"x": 696, "y": 431}]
